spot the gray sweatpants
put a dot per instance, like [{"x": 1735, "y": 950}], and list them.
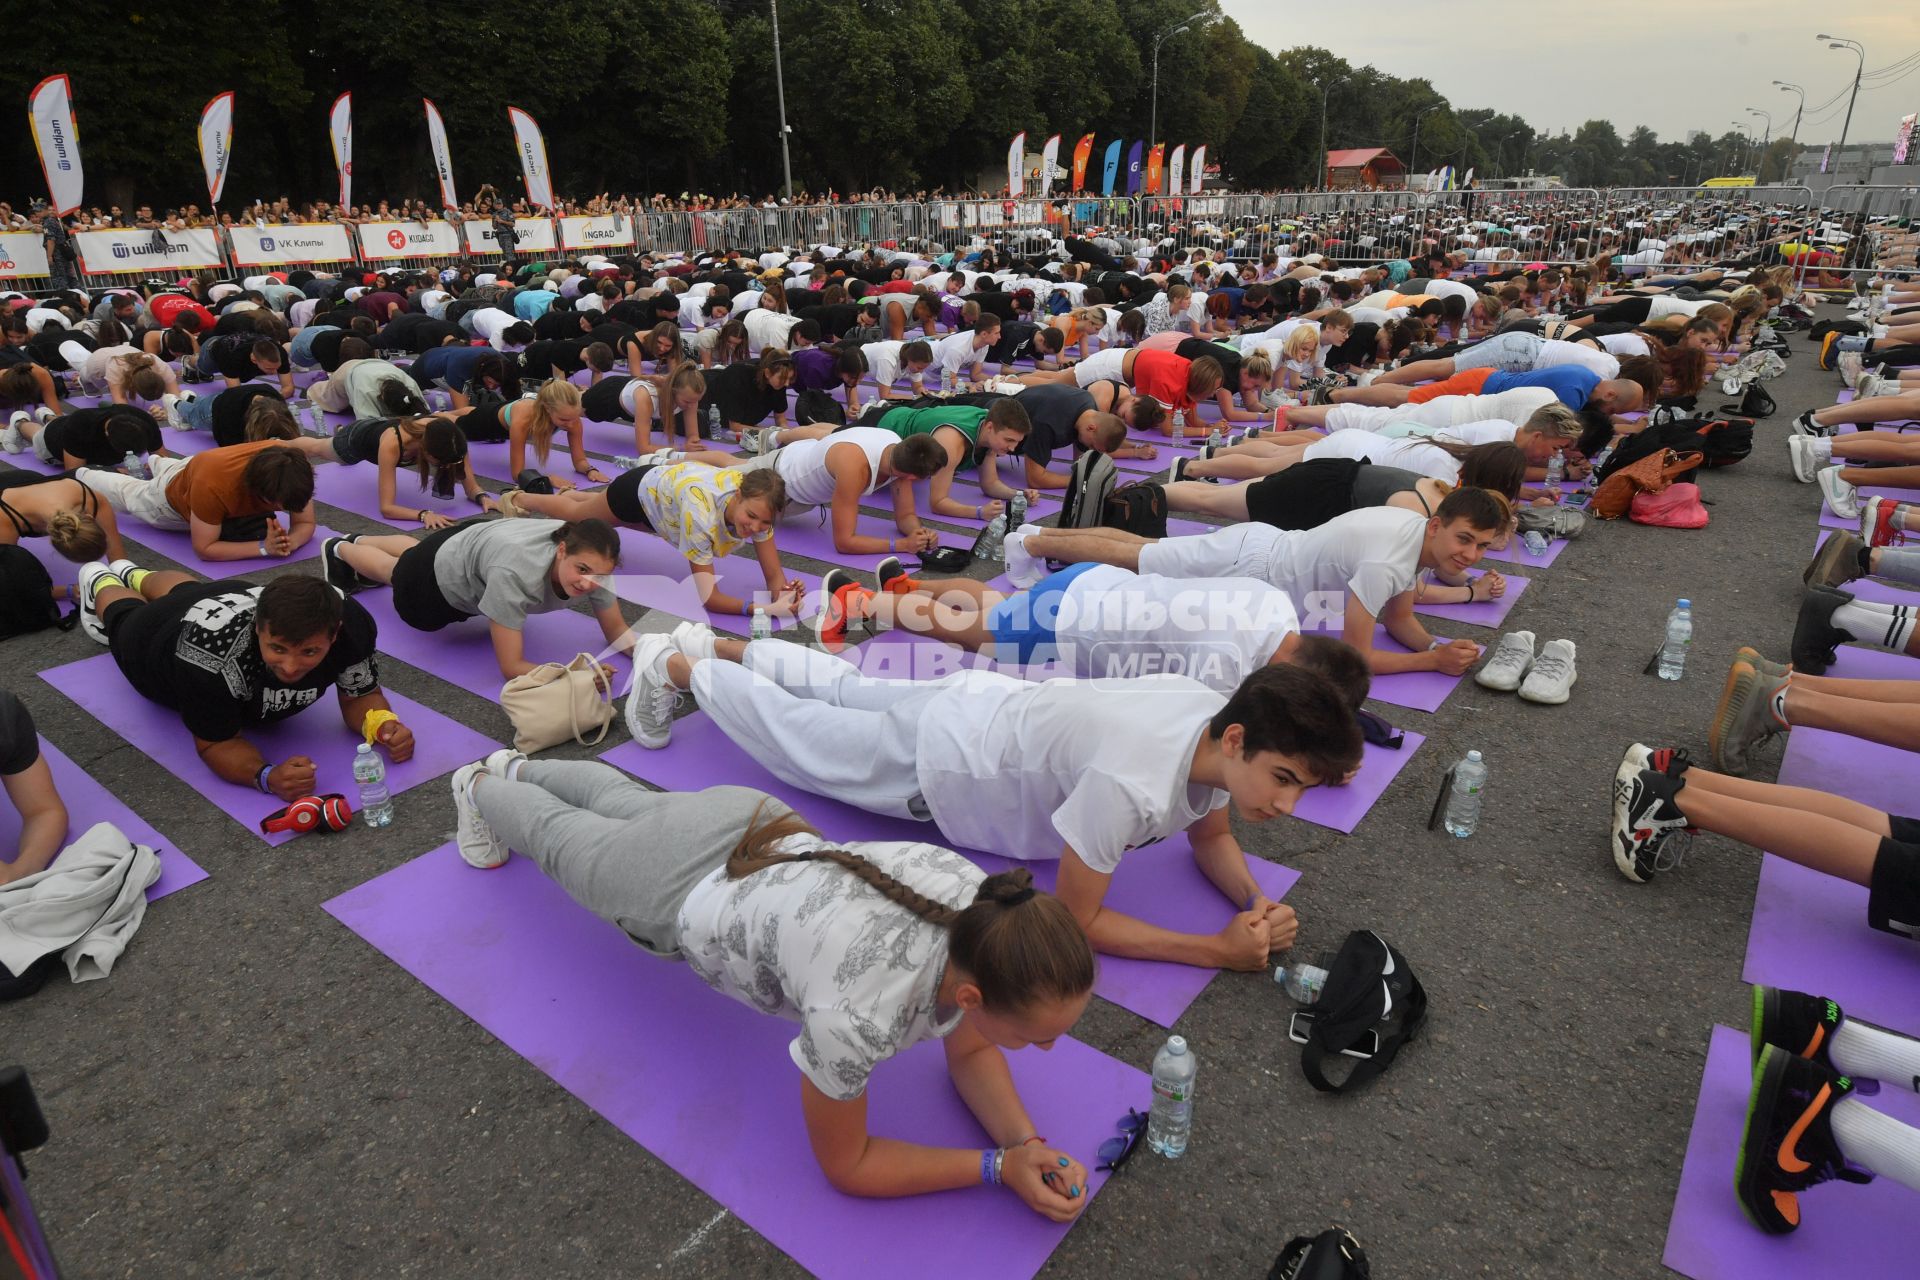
[{"x": 626, "y": 853}]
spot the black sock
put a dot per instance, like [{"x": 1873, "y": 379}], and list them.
[{"x": 1864, "y": 558}]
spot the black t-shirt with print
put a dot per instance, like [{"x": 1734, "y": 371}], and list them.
[
  {"x": 194, "y": 651},
  {"x": 83, "y": 434}
]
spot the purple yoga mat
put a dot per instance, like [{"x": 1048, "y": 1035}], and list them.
[
  {"x": 87, "y": 803},
  {"x": 1828, "y": 520},
  {"x": 1160, "y": 884},
  {"x": 1491, "y": 613},
  {"x": 1878, "y": 590},
  {"x": 440, "y": 744},
  {"x": 809, "y": 532},
  {"x": 1420, "y": 690},
  {"x": 1862, "y": 1233},
  {"x": 463, "y": 653},
  {"x": 655, "y": 575},
  {"x": 177, "y": 546},
  {"x": 356, "y": 489},
  {"x": 1516, "y": 552},
  {"x": 706, "y": 1084}
]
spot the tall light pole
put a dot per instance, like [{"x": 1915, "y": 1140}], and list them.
[
  {"x": 1501, "y": 152},
  {"x": 780, "y": 87},
  {"x": 1860, "y": 52},
  {"x": 1325, "y": 90},
  {"x": 1740, "y": 156},
  {"x": 1794, "y": 88},
  {"x": 1153, "y": 121},
  {"x": 1765, "y": 141},
  {"x": 1414, "y": 163}
]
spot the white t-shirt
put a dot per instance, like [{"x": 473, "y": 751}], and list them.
[
  {"x": 1491, "y": 431},
  {"x": 1021, "y": 769},
  {"x": 434, "y": 302},
  {"x": 1553, "y": 352},
  {"x": 1410, "y": 454},
  {"x": 768, "y": 328},
  {"x": 955, "y": 353},
  {"x": 1626, "y": 344},
  {"x": 812, "y": 943},
  {"x": 491, "y": 323},
  {"x": 1374, "y": 552},
  {"x": 39, "y": 318},
  {"x": 883, "y": 360},
  {"x": 1665, "y": 304},
  {"x": 1453, "y": 288},
  {"x": 1113, "y": 623}
]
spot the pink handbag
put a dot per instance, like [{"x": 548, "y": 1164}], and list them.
[{"x": 1678, "y": 506}]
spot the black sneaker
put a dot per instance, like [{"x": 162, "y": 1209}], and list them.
[
  {"x": 1801, "y": 1024},
  {"x": 340, "y": 575},
  {"x": 831, "y": 624},
  {"x": 888, "y": 570},
  {"x": 1814, "y": 635},
  {"x": 1180, "y": 469},
  {"x": 1645, "y": 818},
  {"x": 1804, "y": 425},
  {"x": 1788, "y": 1144}
]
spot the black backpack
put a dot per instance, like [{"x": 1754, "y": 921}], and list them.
[
  {"x": 1726, "y": 442},
  {"x": 1089, "y": 485},
  {"x": 1685, "y": 435},
  {"x": 1371, "y": 991},
  {"x": 1332, "y": 1255},
  {"x": 818, "y": 406},
  {"x": 26, "y": 594},
  {"x": 1756, "y": 403},
  {"x": 1138, "y": 508}
]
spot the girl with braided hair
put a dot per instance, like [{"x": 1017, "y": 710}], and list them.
[{"x": 872, "y": 947}]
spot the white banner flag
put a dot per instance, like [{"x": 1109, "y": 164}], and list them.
[
  {"x": 216, "y": 143},
  {"x": 387, "y": 240},
  {"x": 50, "y": 108},
  {"x": 527, "y": 140},
  {"x": 23, "y": 255},
  {"x": 1048, "y": 154},
  {"x": 442, "y": 158},
  {"x": 1176, "y": 169},
  {"x": 1016, "y": 166},
  {"x": 124, "y": 251},
  {"x": 596, "y": 233},
  {"x": 340, "y": 125},
  {"x": 1199, "y": 168},
  {"x": 535, "y": 236},
  {"x": 290, "y": 245}
]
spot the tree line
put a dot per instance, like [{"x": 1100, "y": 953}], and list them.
[{"x": 668, "y": 96}]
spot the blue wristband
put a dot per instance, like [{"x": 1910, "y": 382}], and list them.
[
  {"x": 260, "y": 778},
  {"x": 986, "y": 1168}
]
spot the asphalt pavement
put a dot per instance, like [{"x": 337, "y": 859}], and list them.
[{"x": 257, "y": 1092}]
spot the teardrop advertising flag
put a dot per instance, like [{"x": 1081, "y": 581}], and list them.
[
  {"x": 216, "y": 143},
  {"x": 1134, "y": 175},
  {"x": 1049, "y": 154},
  {"x": 532, "y": 146},
  {"x": 57, "y": 137},
  {"x": 340, "y": 126},
  {"x": 442, "y": 158},
  {"x": 1082, "y": 152},
  {"x": 1199, "y": 168},
  {"x": 1176, "y": 169},
  {"x": 1156, "y": 159},
  {"x": 1110, "y": 166}
]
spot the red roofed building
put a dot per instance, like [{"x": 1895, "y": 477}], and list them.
[{"x": 1370, "y": 167}]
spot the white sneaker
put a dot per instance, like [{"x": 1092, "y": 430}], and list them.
[
  {"x": 170, "y": 405},
  {"x": 1509, "y": 663},
  {"x": 693, "y": 641},
  {"x": 479, "y": 847},
  {"x": 44, "y": 415},
  {"x": 1024, "y": 569},
  {"x": 500, "y": 763},
  {"x": 1841, "y": 498},
  {"x": 1551, "y": 680},
  {"x": 93, "y": 577},
  {"x": 1809, "y": 454},
  {"x": 13, "y": 439},
  {"x": 1851, "y": 364},
  {"x": 650, "y": 698}
]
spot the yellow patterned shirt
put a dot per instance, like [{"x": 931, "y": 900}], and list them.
[{"x": 686, "y": 504}]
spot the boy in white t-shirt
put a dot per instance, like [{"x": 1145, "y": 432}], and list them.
[
  {"x": 1075, "y": 771},
  {"x": 963, "y": 354},
  {"x": 1363, "y": 565}
]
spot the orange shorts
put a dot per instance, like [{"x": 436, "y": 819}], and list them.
[{"x": 1465, "y": 383}]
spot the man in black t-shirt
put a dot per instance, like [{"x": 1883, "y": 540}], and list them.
[
  {"x": 98, "y": 437},
  {"x": 29, "y": 786},
  {"x": 226, "y": 655},
  {"x": 1062, "y": 416}
]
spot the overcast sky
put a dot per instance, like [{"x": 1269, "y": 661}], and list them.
[{"x": 1611, "y": 61}]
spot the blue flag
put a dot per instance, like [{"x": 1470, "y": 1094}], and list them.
[
  {"x": 1111, "y": 167},
  {"x": 1133, "y": 168}
]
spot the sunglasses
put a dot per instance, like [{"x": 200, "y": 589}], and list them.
[{"x": 1115, "y": 1152}]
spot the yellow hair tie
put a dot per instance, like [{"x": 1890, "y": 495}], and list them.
[{"x": 375, "y": 719}]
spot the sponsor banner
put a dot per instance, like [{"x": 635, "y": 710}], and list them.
[
  {"x": 1049, "y": 154},
  {"x": 532, "y": 146},
  {"x": 442, "y": 158},
  {"x": 596, "y": 233},
  {"x": 1016, "y": 165},
  {"x": 1082, "y": 152},
  {"x": 57, "y": 137},
  {"x": 536, "y": 236},
  {"x": 1199, "y": 167},
  {"x": 216, "y": 143},
  {"x": 340, "y": 129},
  {"x": 383, "y": 240},
  {"x": 22, "y": 254},
  {"x": 121, "y": 252},
  {"x": 288, "y": 246},
  {"x": 1176, "y": 169}
]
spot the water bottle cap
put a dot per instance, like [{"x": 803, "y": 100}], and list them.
[
  {"x": 363, "y": 750},
  {"x": 1474, "y": 756},
  {"x": 1176, "y": 1045},
  {"x": 1684, "y": 603}
]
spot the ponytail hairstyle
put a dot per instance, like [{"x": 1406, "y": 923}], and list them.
[
  {"x": 77, "y": 536},
  {"x": 1748, "y": 305},
  {"x": 687, "y": 380},
  {"x": 555, "y": 394},
  {"x": 443, "y": 453},
  {"x": 772, "y": 360},
  {"x": 765, "y": 483},
  {"x": 269, "y": 418},
  {"x": 141, "y": 375},
  {"x": 592, "y": 535},
  {"x": 1204, "y": 377},
  {"x": 177, "y": 340},
  {"x": 1019, "y": 946},
  {"x": 401, "y": 398},
  {"x": 1257, "y": 367}
]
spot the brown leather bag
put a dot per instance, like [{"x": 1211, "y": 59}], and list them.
[{"x": 1651, "y": 474}]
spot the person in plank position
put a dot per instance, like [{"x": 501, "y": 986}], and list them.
[
  {"x": 228, "y": 654},
  {"x": 28, "y": 781},
  {"x": 1071, "y": 770}
]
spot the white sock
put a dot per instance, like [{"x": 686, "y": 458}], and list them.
[
  {"x": 1882, "y": 625},
  {"x": 473, "y": 787},
  {"x": 512, "y": 772},
  {"x": 1870, "y": 1053},
  {"x": 1822, "y": 449},
  {"x": 1877, "y": 1142}
]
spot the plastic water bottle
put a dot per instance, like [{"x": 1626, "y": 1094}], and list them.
[
  {"x": 1215, "y": 441},
  {"x": 1599, "y": 460},
  {"x": 1556, "y": 472},
  {"x": 439, "y": 399},
  {"x": 1673, "y": 653},
  {"x": 1463, "y": 806},
  {"x": 136, "y": 466},
  {"x": 762, "y": 627},
  {"x": 1302, "y": 981},
  {"x": 1535, "y": 541},
  {"x": 946, "y": 382},
  {"x": 628, "y": 461},
  {"x": 1017, "y": 509},
  {"x": 1179, "y": 423},
  {"x": 1171, "y": 1118},
  {"x": 370, "y": 772},
  {"x": 993, "y": 539}
]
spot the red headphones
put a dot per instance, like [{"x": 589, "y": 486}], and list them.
[{"x": 311, "y": 813}]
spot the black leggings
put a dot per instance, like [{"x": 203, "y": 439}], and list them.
[
  {"x": 1628, "y": 311},
  {"x": 1905, "y": 355}
]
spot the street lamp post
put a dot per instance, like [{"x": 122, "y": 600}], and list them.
[
  {"x": 1765, "y": 141},
  {"x": 1784, "y": 88},
  {"x": 1153, "y": 122},
  {"x": 1741, "y": 156},
  {"x": 1413, "y": 165},
  {"x": 1859, "y": 51},
  {"x": 1325, "y": 90},
  {"x": 1501, "y": 152},
  {"x": 780, "y": 88}
]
